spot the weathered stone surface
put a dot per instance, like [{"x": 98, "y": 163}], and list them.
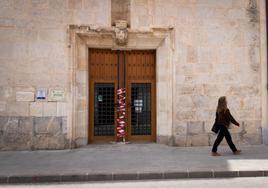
[
  {"x": 120, "y": 10},
  {"x": 252, "y": 127},
  {"x": 40, "y": 142},
  {"x": 18, "y": 108},
  {"x": 35, "y": 52},
  {"x": 180, "y": 128},
  {"x": 195, "y": 128},
  {"x": 7, "y": 93},
  {"x": 56, "y": 142},
  {"x": 25, "y": 133},
  {"x": 180, "y": 140},
  {"x": 211, "y": 138},
  {"x": 74, "y": 4},
  {"x": 2, "y": 106},
  {"x": 36, "y": 109},
  {"x": 81, "y": 124},
  {"x": 61, "y": 109},
  {"x": 184, "y": 101},
  {"x": 50, "y": 109},
  {"x": 64, "y": 127},
  {"x": 53, "y": 35},
  {"x": 202, "y": 114},
  {"x": 82, "y": 105},
  {"x": 198, "y": 140},
  {"x": 208, "y": 125},
  {"x": 16, "y": 132},
  {"x": 81, "y": 77},
  {"x": 187, "y": 89},
  {"x": 252, "y": 139},
  {"x": 24, "y": 96},
  {"x": 168, "y": 140},
  {"x": 47, "y": 125},
  {"x": 201, "y": 101},
  {"x": 80, "y": 141},
  {"x": 185, "y": 115}
]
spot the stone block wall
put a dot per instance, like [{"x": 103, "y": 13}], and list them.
[
  {"x": 34, "y": 54},
  {"x": 216, "y": 51},
  {"x": 30, "y": 133}
]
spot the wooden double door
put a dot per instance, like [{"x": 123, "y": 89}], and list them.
[{"x": 133, "y": 70}]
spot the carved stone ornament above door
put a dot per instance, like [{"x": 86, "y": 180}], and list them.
[{"x": 121, "y": 32}]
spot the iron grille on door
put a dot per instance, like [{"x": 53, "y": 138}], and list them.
[
  {"x": 104, "y": 110},
  {"x": 141, "y": 109}
]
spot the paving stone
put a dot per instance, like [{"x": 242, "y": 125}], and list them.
[
  {"x": 50, "y": 178},
  {"x": 21, "y": 179},
  {"x": 176, "y": 175},
  {"x": 225, "y": 174},
  {"x": 130, "y": 176},
  {"x": 74, "y": 178},
  {"x": 3, "y": 179},
  {"x": 34, "y": 179},
  {"x": 200, "y": 174},
  {"x": 265, "y": 173},
  {"x": 251, "y": 173},
  {"x": 100, "y": 177},
  {"x": 148, "y": 175}
]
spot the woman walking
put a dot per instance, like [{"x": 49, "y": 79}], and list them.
[{"x": 222, "y": 122}]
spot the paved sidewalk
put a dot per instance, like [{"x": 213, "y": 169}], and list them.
[{"x": 130, "y": 162}]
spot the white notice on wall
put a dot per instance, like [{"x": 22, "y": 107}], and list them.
[{"x": 56, "y": 94}]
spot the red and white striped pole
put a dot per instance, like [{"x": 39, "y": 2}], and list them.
[{"x": 121, "y": 114}]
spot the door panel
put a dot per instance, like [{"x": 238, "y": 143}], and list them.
[
  {"x": 110, "y": 70},
  {"x": 102, "y": 70},
  {"x": 140, "y": 78}
]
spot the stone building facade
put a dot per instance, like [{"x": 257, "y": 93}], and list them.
[{"x": 204, "y": 49}]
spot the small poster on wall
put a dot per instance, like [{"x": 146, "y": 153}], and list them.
[
  {"x": 57, "y": 94},
  {"x": 41, "y": 94}
]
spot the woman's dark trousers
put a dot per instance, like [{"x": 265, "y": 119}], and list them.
[{"x": 224, "y": 133}]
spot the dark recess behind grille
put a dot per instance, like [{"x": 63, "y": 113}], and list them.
[{"x": 104, "y": 110}]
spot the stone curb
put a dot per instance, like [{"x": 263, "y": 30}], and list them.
[{"x": 129, "y": 176}]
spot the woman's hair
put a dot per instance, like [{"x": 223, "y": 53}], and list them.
[{"x": 222, "y": 104}]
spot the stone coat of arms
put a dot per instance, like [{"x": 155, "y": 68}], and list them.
[{"x": 121, "y": 35}]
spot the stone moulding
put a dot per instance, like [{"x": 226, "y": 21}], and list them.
[
  {"x": 83, "y": 37},
  {"x": 104, "y": 37}
]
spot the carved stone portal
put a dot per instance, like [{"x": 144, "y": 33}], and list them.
[{"x": 121, "y": 36}]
